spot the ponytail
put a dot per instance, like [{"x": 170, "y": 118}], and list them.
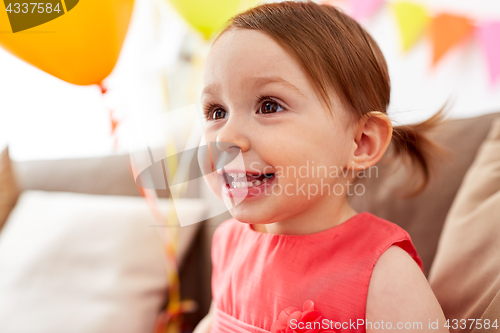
[{"x": 412, "y": 143}]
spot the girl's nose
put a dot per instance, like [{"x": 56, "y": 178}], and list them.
[{"x": 233, "y": 135}]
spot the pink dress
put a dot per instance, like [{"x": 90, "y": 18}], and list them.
[{"x": 257, "y": 277}]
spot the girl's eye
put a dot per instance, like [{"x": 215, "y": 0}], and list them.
[
  {"x": 269, "y": 107},
  {"x": 218, "y": 114}
]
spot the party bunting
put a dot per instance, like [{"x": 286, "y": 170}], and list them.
[
  {"x": 489, "y": 37},
  {"x": 446, "y": 31},
  {"x": 412, "y": 19},
  {"x": 365, "y": 8}
]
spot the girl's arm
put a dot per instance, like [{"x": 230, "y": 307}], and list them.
[
  {"x": 399, "y": 293},
  {"x": 205, "y": 324}
]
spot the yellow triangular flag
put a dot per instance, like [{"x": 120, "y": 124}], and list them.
[{"x": 412, "y": 19}]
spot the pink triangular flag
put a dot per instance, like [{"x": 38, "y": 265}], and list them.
[
  {"x": 365, "y": 8},
  {"x": 489, "y": 37}
]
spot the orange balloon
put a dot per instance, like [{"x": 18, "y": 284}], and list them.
[{"x": 77, "y": 41}]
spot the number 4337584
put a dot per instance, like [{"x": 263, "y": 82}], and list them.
[
  {"x": 470, "y": 323},
  {"x": 32, "y": 7}
]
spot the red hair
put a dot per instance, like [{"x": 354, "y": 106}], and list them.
[{"x": 337, "y": 54}]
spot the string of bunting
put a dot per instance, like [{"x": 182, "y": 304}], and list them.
[{"x": 446, "y": 31}]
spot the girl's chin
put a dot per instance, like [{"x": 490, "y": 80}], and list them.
[
  {"x": 249, "y": 217},
  {"x": 254, "y": 212}
]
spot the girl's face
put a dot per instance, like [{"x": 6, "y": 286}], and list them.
[{"x": 258, "y": 100}]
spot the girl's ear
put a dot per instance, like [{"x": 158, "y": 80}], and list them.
[{"x": 372, "y": 137}]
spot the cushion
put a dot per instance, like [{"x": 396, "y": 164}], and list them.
[
  {"x": 8, "y": 187},
  {"x": 84, "y": 263},
  {"x": 103, "y": 175},
  {"x": 465, "y": 275}
]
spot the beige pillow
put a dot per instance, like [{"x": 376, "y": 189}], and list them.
[
  {"x": 81, "y": 263},
  {"x": 8, "y": 187},
  {"x": 465, "y": 275}
]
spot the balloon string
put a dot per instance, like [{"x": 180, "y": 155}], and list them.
[
  {"x": 170, "y": 320},
  {"x": 114, "y": 122}
]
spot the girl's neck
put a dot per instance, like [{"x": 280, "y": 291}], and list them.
[{"x": 322, "y": 218}]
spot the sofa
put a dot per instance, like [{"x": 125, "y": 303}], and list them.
[
  {"x": 470, "y": 165},
  {"x": 80, "y": 249}
]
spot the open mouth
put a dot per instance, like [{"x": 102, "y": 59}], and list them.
[{"x": 245, "y": 180}]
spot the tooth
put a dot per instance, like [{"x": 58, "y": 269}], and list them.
[
  {"x": 234, "y": 175},
  {"x": 233, "y": 184},
  {"x": 265, "y": 180},
  {"x": 249, "y": 184},
  {"x": 241, "y": 174},
  {"x": 257, "y": 182}
]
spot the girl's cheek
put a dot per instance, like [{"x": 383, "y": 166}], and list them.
[{"x": 214, "y": 183}]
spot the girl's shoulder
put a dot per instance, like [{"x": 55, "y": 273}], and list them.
[{"x": 378, "y": 234}]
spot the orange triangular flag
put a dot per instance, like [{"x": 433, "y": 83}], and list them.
[{"x": 446, "y": 31}]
